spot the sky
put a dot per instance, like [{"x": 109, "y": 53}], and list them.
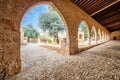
[
  {"x": 80, "y": 25},
  {"x": 31, "y": 16}
]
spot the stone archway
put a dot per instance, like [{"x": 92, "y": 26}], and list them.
[
  {"x": 83, "y": 34},
  {"x": 99, "y": 35},
  {"x": 66, "y": 47},
  {"x": 62, "y": 13},
  {"x": 88, "y": 32},
  {"x": 41, "y": 50},
  {"x": 94, "y": 32}
]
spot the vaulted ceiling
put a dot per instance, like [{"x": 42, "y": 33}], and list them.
[{"x": 106, "y": 12}]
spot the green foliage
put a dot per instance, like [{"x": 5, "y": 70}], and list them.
[
  {"x": 83, "y": 27},
  {"x": 50, "y": 8},
  {"x": 49, "y": 41},
  {"x": 92, "y": 32},
  {"x": 29, "y": 31},
  {"x": 50, "y": 21}
]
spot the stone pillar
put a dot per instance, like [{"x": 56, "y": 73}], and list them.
[
  {"x": 105, "y": 37},
  {"x": 89, "y": 40},
  {"x": 83, "y": 37},
  {"x": 89, "y": 35},
  {"x": 22, "y": 36},
  {"x": 11, "y": 59},
  {"x": 95, "y": 38},
  {"x": 73, "y": 41},
  {"x": 100, "y": 38},
  {"x": 39, "y": 39}
]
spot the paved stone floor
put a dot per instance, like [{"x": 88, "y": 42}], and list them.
[{"x": 99, "y": 63}]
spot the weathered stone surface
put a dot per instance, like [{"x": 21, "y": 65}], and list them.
[
  {"x": 2, "y": 72},
  {"x": 12, "y": 47},
  {"x": 1, "y": 44}
]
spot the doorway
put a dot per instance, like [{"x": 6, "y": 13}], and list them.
[{"x": 114, "y": 38}]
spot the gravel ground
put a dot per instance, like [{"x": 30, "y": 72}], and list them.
[{"x": 99, "y": 63}]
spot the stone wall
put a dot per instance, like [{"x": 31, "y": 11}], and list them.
[
  {"x": 115, "y": 34},
  {"x": 2, "y": 72},
  {"x": 9, "y": 50},
  {"x": 11, "y": 13}
]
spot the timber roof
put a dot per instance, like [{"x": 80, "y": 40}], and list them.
[{"x": 106, "y": 12}]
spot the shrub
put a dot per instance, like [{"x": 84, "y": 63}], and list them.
[
  {"x": 49, "y": 41},
  {"x": 43, "y": 39}
]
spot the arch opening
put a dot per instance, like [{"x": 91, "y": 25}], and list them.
[
  {"x": 43, "y": 27},
  {"x": 93, "y": 35},
  {"x": 99, "y": 36},
  {"x": 53, "y": 8},
  {"x": 83, "y": 34},
  {"x": 114, "y": 38}
]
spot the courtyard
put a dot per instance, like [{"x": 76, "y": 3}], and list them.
[{"x": 98, "y": 63}]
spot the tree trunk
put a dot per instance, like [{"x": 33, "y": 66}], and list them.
[
  {"x": 28, "y": 39},
  {"x": 56, "y": 39}
]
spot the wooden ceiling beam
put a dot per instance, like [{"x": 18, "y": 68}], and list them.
[
  {"x": 96, "y": 2},
  {"x": 81, "y": 3},
  {"x": 101, "y": 4},
  {"x": 110, "y": 19},
  {"x": 112, "y": 24},
  {"x": 114, "y": 28},
  {"x": 105, "y": 16},
  {"x": 105, "y": 7},
  {"x": 78, "y": 2},
  {"x": 111, "y": 30},
  {"x": 87, "y": 4},
  {"x": 106, "y": 12}
]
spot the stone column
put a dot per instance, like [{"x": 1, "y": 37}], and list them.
[
  {"x": 83, "y": 37},
  {"x": 39, "y": 39},
  {"x": 22, "y": 36},
  {"x": 100, "y": 36},
  {"x": 95, "y": 38},
  {"x": 89, "y": 40},
  {"x": 12, "y": 59},
  {"x": 73, "y": 41},
  {"x": 104, "y": 37}
]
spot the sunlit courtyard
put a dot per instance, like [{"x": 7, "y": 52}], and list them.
[{"x": 43, "y": 64}]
